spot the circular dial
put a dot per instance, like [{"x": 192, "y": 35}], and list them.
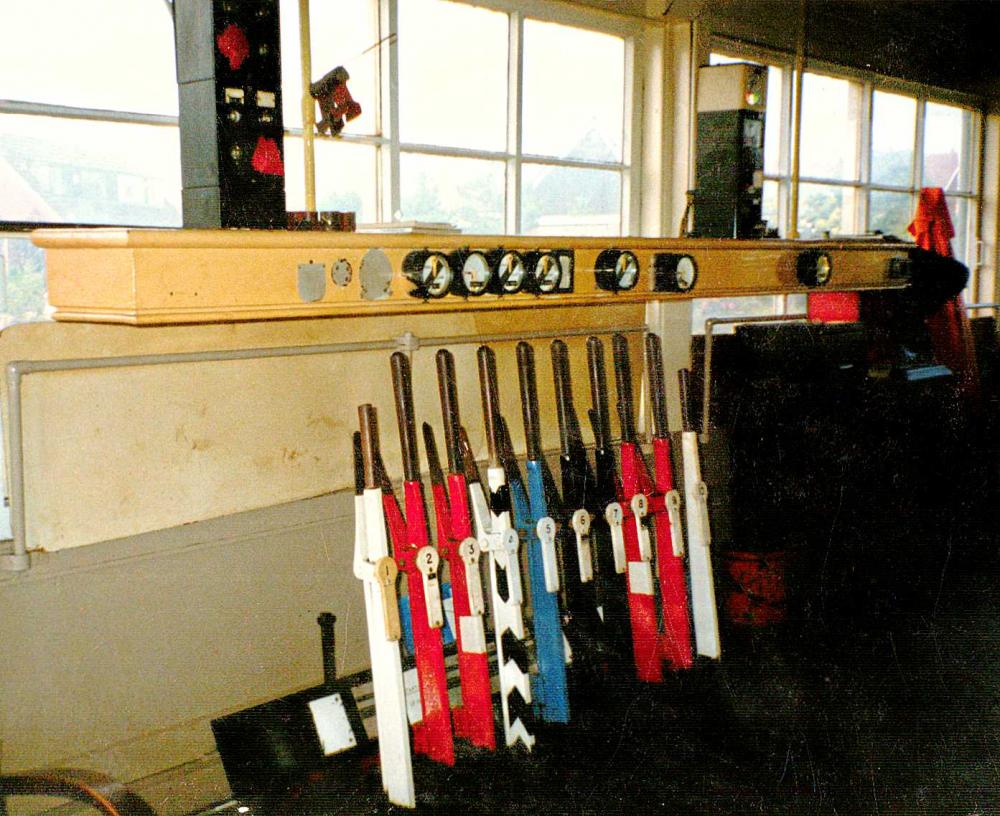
[
  {"x": 674, "y": 273},
  {"x": 627, "y": 270},
  {"x": 430, "y": 271},
  {"x": 617, "y": 270},
  {"x": 814, "y": 268},
  {"x": 476, "y": 273},
  {"x": 686, "y": 273},
  {"x": 824, "y": 267},
  {"x": 437, "y": 274},
  {"x": 511, "y": 272},
  {"x": 547, "y": 273}
]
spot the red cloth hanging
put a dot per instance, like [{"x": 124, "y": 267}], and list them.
[{"x": 950, "y": 330}]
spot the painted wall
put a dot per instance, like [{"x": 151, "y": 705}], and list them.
[
  {"x": 116, "y": 452},
  {"x": 118, "y": 655}
]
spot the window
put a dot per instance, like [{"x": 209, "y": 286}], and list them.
[
  {"x": 475, "y": 114},
  {"x": 866, "y": 150},
  {"x": 480, "y": 140},
  {"x": 88, "y": 128},
  {"x": 579, "y": 122}
]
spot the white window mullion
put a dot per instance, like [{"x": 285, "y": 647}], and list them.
[
  {"x": 631, "y": 193},
  {"x": 864, "y": 159},
  {"x": 785, "y": 148},
  {"x": 918, "y": 145},
  {"x": 389, "y": 197},
  {"x": 515, "y": 81}
]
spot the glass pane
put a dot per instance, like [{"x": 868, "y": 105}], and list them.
[
  {"x": 769, "y": 206},
  {"x": 891, "y": 213},
  {"x": 724, "y": 59},
  {"x": 345, "y": 177},
  {"x": 452, "y": 75},
  {"x": 108, "y": 54},
  {"x": 796, "y": 304},
  {"x": 830, "y": 127},
  {"x": 947, "y": 160},
  {"x": 468, "y": 193},
  {"x": 959, "y": 210},
  {"x": 340, "y": 34},
  {"x": 754, "y": 306},
  {"x": 894, "y": 125},
  {"x": 89, "y": 172},
  {"x": 570, "y": 201},
  {"x": 574, "y": 92},
  {"x": 772, "y": 120},
  {"x": 826, "y": 209},
  {"x": 22, "y": 281}
]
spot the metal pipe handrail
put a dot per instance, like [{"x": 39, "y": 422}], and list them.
[{"x": 19, "y": 560}]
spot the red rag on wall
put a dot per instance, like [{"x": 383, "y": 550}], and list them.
[
  {"x": 267, "y": 157},
  {"x": 950, "y": 330}
]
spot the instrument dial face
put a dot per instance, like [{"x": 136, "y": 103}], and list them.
[
  {"x": 823, "y": 269},
  {"x": 547, "y": 273},
  {"x": 436, "y": 275},
  {"x": 476, "y": 273},
  {"x": 627, "y": 270},
  {"x": 511, "y": 272},
  {"x": 814, "y": 268},
  {"x": 687, "y": 273}
]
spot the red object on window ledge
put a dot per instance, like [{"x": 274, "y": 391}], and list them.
[
  {"x": 233, "y": 45},
  {"x": 950, "y": 330},
  {"x": 267, "y": 157},
  {"x": 833, "y": 307}
]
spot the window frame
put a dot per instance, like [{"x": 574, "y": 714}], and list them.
[
  {"x": 863, "y": 185},
  {"x": 390, "y": 147}
]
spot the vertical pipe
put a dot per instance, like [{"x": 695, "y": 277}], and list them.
[
  {"x": 976, "y": 288},
  {"x": 515, "y": 82},
  {"x": 18, "y": 560},
  {"x": 800, "y": 66},
  {"x": 308, "y": 105}
]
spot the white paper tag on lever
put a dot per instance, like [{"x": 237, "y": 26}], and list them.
[
  {"x": 411, "y": 688},
  {"x": 473, "y": 634},
  {"x": 640, "y": 578}
]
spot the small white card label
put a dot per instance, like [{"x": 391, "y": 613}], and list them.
[
  {"x": 640, "y": 578},
  {"x": 332, "y": 726},
  {"x": 473, "y": 636},
  {"x": 411, "y": 687}
]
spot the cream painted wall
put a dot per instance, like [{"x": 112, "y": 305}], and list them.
[
  {"x": 118, "y": 655},
  {"x": 116, "y": 452}
]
